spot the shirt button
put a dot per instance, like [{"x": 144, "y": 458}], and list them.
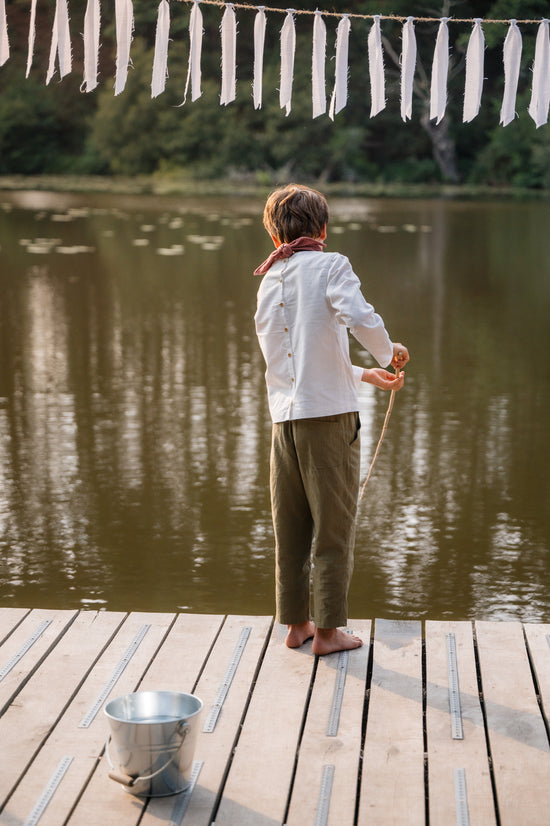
[
  {"x": 286, "y": 329},
  {"x": 281, "y": 304},
  {"x": 290, "y": 355}
]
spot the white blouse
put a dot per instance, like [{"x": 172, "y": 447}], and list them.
[{"x": 306, "y": 304}]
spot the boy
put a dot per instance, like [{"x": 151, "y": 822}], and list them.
[{"x": 307, "y": 301}]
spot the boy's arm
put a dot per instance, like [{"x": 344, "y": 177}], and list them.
[{"x": 353, "y": 310}]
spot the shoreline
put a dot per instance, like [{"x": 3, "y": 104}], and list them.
[{"x": 174, "y": 185}]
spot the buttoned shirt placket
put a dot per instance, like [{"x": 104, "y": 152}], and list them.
[{"x": 287, "y": 340}]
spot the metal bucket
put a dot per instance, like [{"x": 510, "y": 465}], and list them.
[{"x": 153, "y": 737}]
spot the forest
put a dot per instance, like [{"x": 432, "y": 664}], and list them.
[{"x": 59, "y": 129}]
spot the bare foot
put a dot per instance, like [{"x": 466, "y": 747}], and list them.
[
  {"x": 328, "y": 640},
  {"x": 298, "y": 634}
]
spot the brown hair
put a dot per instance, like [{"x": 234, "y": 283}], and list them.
[{"x": 295, "y": 211}]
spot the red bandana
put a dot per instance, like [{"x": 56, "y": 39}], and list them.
[{"x": 286, "y": 250}]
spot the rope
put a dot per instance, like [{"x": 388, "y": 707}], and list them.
[
  {"x": 394, "y": 17},
  {"x": 384, "y": 428}
]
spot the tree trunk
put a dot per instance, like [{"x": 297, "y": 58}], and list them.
[{"x": 443, "y": 146}]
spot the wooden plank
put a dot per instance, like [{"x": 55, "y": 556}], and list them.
[
  {"x": 174, "y": 667},
  {"x": 258, "y": 783},
  {"x": 341, "y": 751},
  {"x": 392, "y": 788},
  {"x": 84, "y": 744},
  {"x": 33, "y": 626},
  {"x": 518, "y": 740},
  {"x": 446, "y": 754},
  {"x": 29, "y": 720},
  {"x": 10, "y": 619},
  {"x": 538, "y": 641},
  {"x": 214, "y": 748}
]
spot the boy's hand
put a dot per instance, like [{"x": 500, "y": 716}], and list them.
[
  {"x": 383, "y": 378},
  {"x": 400, "y": 357}
]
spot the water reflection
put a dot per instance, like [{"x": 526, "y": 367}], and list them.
[{"x": 134, "y": 433}]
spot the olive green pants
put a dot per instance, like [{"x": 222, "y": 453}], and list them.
[{"x": 315, "y": 466}]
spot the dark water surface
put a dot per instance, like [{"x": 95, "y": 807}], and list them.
[{"x": 134, "y": 431}]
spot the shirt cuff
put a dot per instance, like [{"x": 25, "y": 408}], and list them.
[{"x": 357, "y": 375}]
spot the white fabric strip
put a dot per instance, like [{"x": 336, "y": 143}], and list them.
[
  {"x": 288, "y": 49},
  {"x": 512, "y": 59},
  {"x": 32, "y": 31},
  {"x": 440, "y": 69},
  {"x": 376, "y": 68},
  {"x": 259, "y": 42},
  {"x": 228, "y": 31},
  {"x": 318, "y": 59},
  {"x": 540, "y": 92},
  {"x": 340, "y": 92},
  {"x": 4, "y": 42},
  {"x": 160, "y": 61},
  {"x": 475, "y": 57},
  {"x": 195, "y": 49},
  {"x": 91, "y": 45},
  {"x": 408, "y": 65},
  {"x": 61, "y": 42},
  {"x": 124, "y": 28}
]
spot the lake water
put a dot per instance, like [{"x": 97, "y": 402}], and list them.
[{"x": 134, "y": 430}]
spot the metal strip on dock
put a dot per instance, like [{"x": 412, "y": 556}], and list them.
[
  {"x": 89, "y": 717},
  {"x": 182, "y": 802},
  {"x": 216, "y": 708},
  {"x": 12, "y": 662},
  {"x": 461, "y": 798},
  {"x": 325, "y": 792},
  {"x": 49, "y": 791},
  {"x": 454, "y": 691},
  {"x": 338, "y": 695}
]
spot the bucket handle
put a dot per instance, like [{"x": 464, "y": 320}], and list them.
[{"x": 129, "y": 779}]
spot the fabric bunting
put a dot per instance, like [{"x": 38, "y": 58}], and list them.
[
  {"x": 124, "y": 11},
  {"x": 160, "y": 61},
  {"x": 91, "y": 45},
  {"x": 195, "y": 49},
  {"x": 340, "y": 92},
  {"x": 318, "y": 60},
  {"x": 61, "y": 42},
  {"x": 512, "y": 60},
  {"x": 32, "y": 32},
  {"x": 474, "y": 72},
  {"x": 4, "y": 42},
  {"x": 228, "y": 32},
  {"x": 288, "y": 50},
  {"x": 408, "y": 65},
  {"x": 540, "y": 92},
  {"x": 440, "y": 69},
  {"x": 259, "y": 43},
  {"x": 60, "y": 57},
  {"x": 376, "y": 68}
]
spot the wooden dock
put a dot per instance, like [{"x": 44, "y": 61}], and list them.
[{"x": 437, "y": 723}]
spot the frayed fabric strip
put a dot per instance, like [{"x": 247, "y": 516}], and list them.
[
  {"x": 259, "y": 44},
  {"x": 440, "y": 69},
  {"x": 475, "y": 61},
  {"x": 228, "y": 31},
  {"x": 160, "y": 62},
  {"x": 91, "y": 45},
  {"x": 540, "y": 93},
  {"x": 512, "y": 60},
  {"x": 288, "y": 50},
  {"x": 318, "y": 58},
  {"x": 408, "y": 65},
  {"x": 376, "y": 68},
  {"x": 340, "y": 93}
]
